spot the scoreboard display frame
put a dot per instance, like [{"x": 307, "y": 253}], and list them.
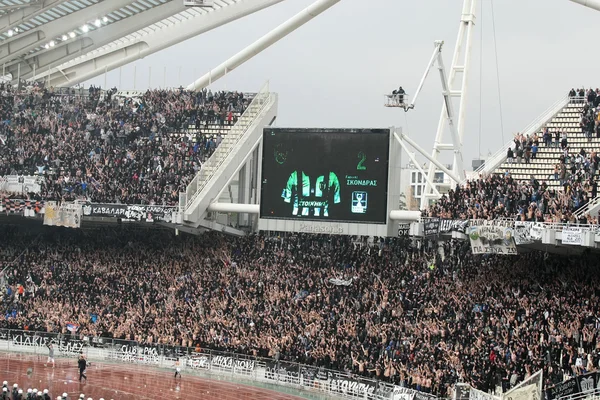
[{"x": 325, "y": 175}]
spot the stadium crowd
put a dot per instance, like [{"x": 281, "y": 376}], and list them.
[
  {"x": 501, "y": 196},
  {"x": 410, "y": 314},
  {"x": 109, "y": 148}
]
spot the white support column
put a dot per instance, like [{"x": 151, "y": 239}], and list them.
[
  {"x": 460, "y": 64},
  {"x": 458, "y": 167},
  {"x": 263, "y": 43},
  {"x": 469, "y": 23}
]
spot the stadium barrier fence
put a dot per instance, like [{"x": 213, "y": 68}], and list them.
[{"x": 330, "y": 383}]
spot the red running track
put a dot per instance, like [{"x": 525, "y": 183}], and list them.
[{"x": 122, "y": 382}]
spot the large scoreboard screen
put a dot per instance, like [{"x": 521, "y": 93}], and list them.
[{"x": 325, "y": 174}]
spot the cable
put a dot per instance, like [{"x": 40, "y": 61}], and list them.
[
  {"x": 480, "y": 84},
  {"x": 497, "y": 72}
]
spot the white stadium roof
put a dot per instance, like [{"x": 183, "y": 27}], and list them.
[{"x": 76, "y": 40}]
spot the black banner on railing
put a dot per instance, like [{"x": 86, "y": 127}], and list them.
[
  {"x": 462, "y": 391},
  {"x": 133, "y": 352},
  {"x": 588, "y": 382},
  {"x": 309, "y": 374},
  {"x": 449, "y": 225},
  {"x": 199, "y": 361},
  {"x": 352, "y": 386},
  {"x": 423, "y": 396},
  {"x": 132, "y": 212},
  {"x": 228, "y": 363},
  {"x": 209, "y": 361},
  {"x": 579, "y": 384},
  {"x": 283, "y": 372},
  {"x": 384, "y": 390},
  {"x": 431, "y": 226},
  {"x": 566, "y": 388},
  {"x": 402, "y": 393}
]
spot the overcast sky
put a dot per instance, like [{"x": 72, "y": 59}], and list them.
[{"x": 333, "y": 71}]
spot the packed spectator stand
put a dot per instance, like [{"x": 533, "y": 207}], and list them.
[
  {"x": 397, "y": 310},
  {"x": 413, "y": 315},
  {"x": 103, "y": 147},
  {"x": 547, "y": 177}
]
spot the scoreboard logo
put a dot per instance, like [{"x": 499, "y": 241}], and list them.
[{"x": 359, "y": 202}]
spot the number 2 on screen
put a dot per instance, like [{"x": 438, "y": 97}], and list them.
[{"x": 361, "y": 163}]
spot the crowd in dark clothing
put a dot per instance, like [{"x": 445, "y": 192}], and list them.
[
  {"x": 501, "y": 196},
  {"x": 413, "y": 314},
  {"x": 535, "y": 200},
  {"x": 105, "y": 147}
]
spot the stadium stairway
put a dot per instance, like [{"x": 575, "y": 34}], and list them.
[
  {"x": 228, "y": 158},
  {"x": 495, "y": 161},
  {"x": 542, "y": 167}
]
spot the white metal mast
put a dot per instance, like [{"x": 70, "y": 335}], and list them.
[{"x": 460, "y": 65}]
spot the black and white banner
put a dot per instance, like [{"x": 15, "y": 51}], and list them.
[
  {"x": 402, "y": 393},
  {"x": 431, "y": 226},
  {"x": 200, "y": 361},
  {"x": 229, "y": 363},
  {"x": 528, "y": 232},
  {"x": 424, "y": 396},
  {"x": 133, "y": 212},
  {"x": 139, "y": 355},
  {"x": 453, "y": 225},
  {"x": 283, "y": 372},
  {"x": 209, "y": 361},
  {"x": 579, "y": 384},
  {"x": 66, "y": 347},
  {"x": 340, "y": 383},
  {"x": 135, "y": 354},
  {"x": 356, "y": 387}
]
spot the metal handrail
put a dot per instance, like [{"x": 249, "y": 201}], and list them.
[
  {"x": 332, "y": 383},
  {"x": 586, "y": 209},
  {"x": 533, "y": 127},
  {"x": 589, "y": 394},
  {"x": 261, "y": 100},
  {"x": 559, "y": 225}
]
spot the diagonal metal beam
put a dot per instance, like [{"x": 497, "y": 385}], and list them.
[
  {"x": 97, "y": 38},
  {"x": 433, "y": 160},
  {"x": 264, "y": 42},
  {"x": 148, "y": 41},
  {"x": 18, "y": 6},
  {"x": 26, "y": 12},
  {"x": 29, "y": 40}
]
